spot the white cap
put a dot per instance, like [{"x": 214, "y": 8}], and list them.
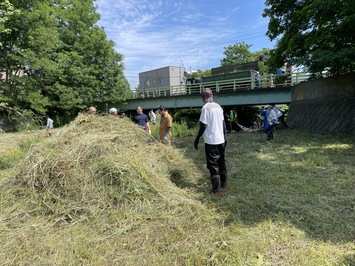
[{"x": 112, "y": 110}]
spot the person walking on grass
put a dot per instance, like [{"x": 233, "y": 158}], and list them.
[
  {"x": 166, "y": 122},
  {"x": 213, "y": 130},
  {"x": 270, "y": 121},
  {"x": 49, "y": 125}
]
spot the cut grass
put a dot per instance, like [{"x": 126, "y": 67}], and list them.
[{"x": 101, "y": 192}]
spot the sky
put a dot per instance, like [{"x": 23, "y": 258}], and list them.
[{"x": 152, "y": 34}]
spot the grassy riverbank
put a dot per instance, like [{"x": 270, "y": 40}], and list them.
[{"x": 101, "y": 192}]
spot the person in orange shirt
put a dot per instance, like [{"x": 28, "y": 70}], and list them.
[{"x": 166, "y": 122}]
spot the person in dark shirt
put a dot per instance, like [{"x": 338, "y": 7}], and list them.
[{"x": 141, "y": 119}]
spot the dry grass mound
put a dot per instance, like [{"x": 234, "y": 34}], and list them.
[
  {"x": 107, "y": 162},
  {"x": 100, "y": 190},
  {"x": 14, "y": 146}
]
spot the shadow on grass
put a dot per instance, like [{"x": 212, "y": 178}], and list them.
[{"x": 305, "y": 179}]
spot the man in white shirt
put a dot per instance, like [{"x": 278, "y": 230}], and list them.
[
  {"x": 49, "y": 126},
  {"x": 213, "y": 129}
]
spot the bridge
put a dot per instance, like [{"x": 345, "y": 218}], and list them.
[{"x": 242, "y": 91}]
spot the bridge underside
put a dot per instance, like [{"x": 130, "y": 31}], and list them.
[{"x": 278, "y": 95}]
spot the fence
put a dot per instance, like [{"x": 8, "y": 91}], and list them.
[{"x": 220, "y": 86}]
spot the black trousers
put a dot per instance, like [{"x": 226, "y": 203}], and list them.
[
  {"x": 216, "y": 165},
  {"x": 282, "y": 119}
]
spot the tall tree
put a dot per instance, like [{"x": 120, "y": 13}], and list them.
[
  {"x": 237, "y": 53},
  {"x": 6, "y": 11},
  {"x": 56, "y": 58},
  {"x": 318, "y": 34},
  {"x": 240, "y": 53},
  {"x": 200, "y": 73}
]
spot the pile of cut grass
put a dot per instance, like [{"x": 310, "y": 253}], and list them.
[
  {"x": 101, "y": 191},
  {"x": 14, "y": 146}
]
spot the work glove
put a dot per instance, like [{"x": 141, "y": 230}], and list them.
[
  {"x": 149, "y": 131},
  {"x": 196, "y": 144},
  {"x": 165, "y": 139}
]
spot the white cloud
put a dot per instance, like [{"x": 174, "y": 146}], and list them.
[{"x": 153, "y": 34}]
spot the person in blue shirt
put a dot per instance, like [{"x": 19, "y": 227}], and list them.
[
  {"x": 270, "y": 121},
  {"x": 141, "y": 119}
]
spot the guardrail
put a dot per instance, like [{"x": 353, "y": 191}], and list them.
[{"x": 220, "y": 86}]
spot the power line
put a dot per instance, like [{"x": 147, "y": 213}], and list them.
[{"x": 220, "y": 42}]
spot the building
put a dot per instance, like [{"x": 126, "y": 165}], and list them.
[{"x": 170, "y": 76}]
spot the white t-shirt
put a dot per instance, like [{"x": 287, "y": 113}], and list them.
[
  {"x": 271, "y": 116},
  {"x": 212, "y": 116},
  {"x": 277, "y": 111},
  {"x": 49, "y": 123}
]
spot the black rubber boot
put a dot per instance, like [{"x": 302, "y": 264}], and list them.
[
  {"x": 216, "y": 184},
  {"x": 223, "y": 177}
]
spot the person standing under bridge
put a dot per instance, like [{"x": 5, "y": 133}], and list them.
[
  {"x": 141, "y": 119},
  {"x": 270, "y": 121},
  {"x": 152, "y": 116},
  {"x": 213, "y": 129},
  {"x": 232, "y": 119},
  {"x": 166, "y": 123}
]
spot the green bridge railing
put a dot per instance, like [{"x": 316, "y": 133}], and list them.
[{"x": 220, "y": 86}]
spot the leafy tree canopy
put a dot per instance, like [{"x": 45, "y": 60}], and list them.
[
  {"x": 240, "y": 53},
  {"x": 55, "y": 59},
  {"x": 318, "y": 34},
  {"x": 200, "y": 73},
  {"x": 237, "y": 53}
]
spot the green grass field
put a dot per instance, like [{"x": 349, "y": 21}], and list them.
[{"x": 102, "y": 192}]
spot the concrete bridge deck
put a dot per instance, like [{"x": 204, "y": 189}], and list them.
[{"x": 242, "y": 91}]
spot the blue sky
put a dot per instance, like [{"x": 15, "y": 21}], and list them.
[{"x": 157, "y": 33}]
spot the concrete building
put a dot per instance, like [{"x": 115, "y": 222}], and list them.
[{"x": 170, "y": 76}]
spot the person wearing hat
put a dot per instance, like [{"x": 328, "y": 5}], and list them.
[
  {"x": 113, "y": 111},
  {"x": 270, "y": 121},
  {"x": 213, "y": 130},
  {"x": 166, "y": 122}
]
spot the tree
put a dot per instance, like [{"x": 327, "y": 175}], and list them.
[
  {"x": 240, "y": 53},
  {"x": 318, "y": 34},
  {"x": 6, "y": 11},
  {"x": 237, "y": 53},
  {"x": 200, "y": 73},
  {"x": 56, "y": 59}
]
